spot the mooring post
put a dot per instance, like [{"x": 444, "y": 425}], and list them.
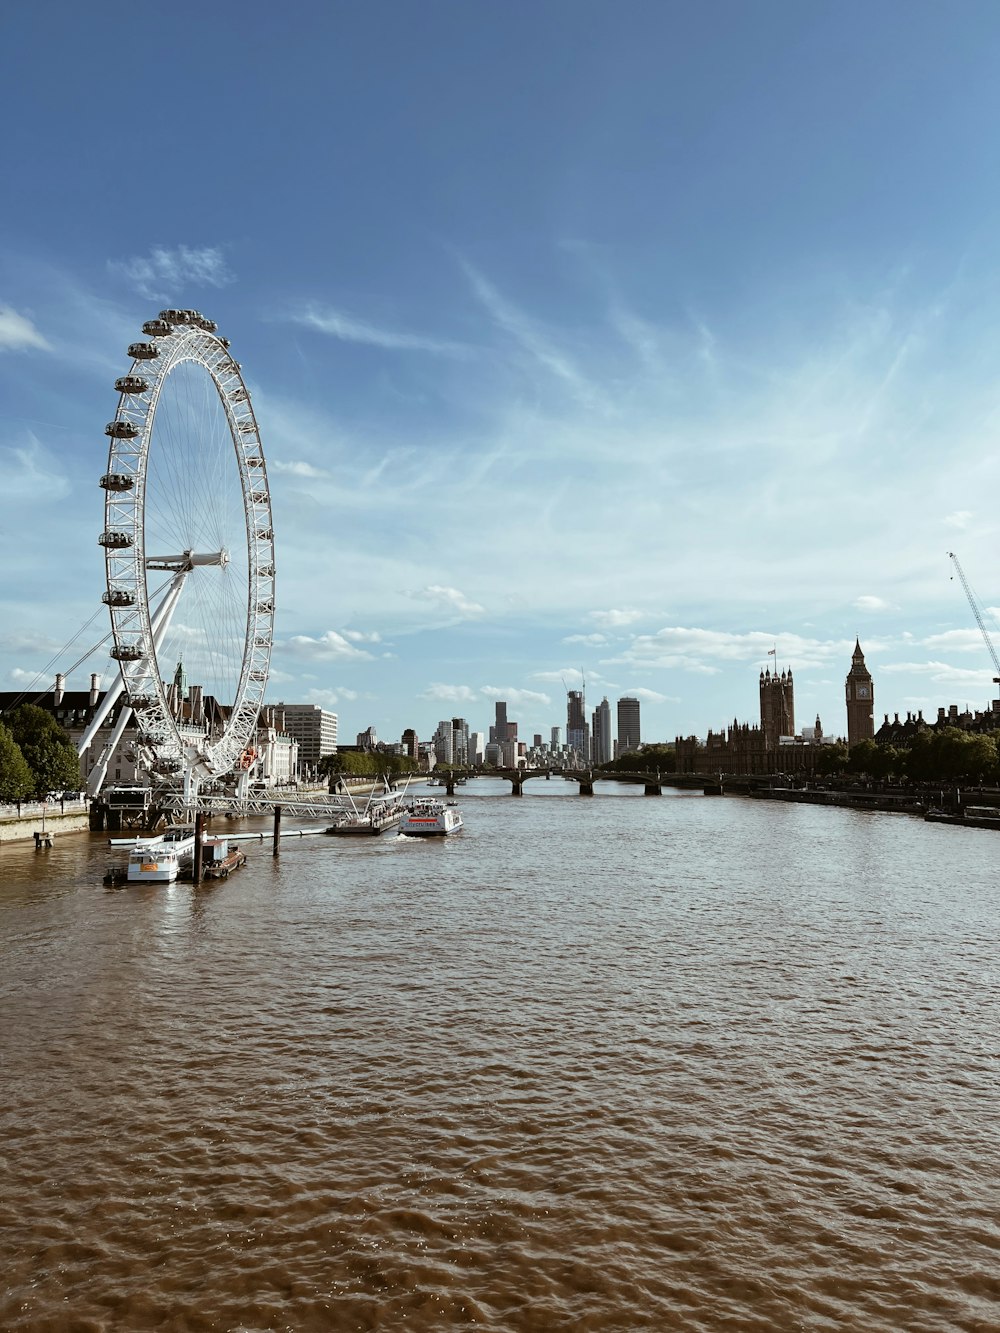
[
  {"x": 276, "y": 843},
  {"x": 199, "y": 834}
]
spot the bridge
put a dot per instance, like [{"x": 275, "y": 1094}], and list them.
[{"x": 652, "y": 783}]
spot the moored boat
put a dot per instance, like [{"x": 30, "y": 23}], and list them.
[
  {"x": 160, "y": 860},
  {"x": 220, "y": 858},
  {"x": 430, "y": 818}
]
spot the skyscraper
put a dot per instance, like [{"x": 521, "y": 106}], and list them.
[
  {"x": 576, "y": 723},
  {"x": 629, "y": 738},
  {"x": 498, "y": 732},
  {"x": 860, "y": 691},
  {"x": 602, "y": 746}
]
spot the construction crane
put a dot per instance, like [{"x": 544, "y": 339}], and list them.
[{"x": 979, "y": 619}]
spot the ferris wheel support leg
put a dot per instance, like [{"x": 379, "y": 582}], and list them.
[
  {"x": 191, "y": 783},
  {"x": 159, "y": 623},
  {"x": 99, "y": 718},
  {"x": 96, "y": 780}
]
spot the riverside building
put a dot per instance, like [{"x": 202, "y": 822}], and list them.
[{"x": 316, "y": 732}]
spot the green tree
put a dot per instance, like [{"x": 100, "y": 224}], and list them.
[
  {"x": 875, "y": 761},
  {"x": 16, "y": 781},
  {"x": 50, "y": 754},
  {"x": 831, "y": 759},
  {"x": 658, "y": 758}
]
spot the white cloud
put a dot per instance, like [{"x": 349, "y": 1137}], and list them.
[
  {"x": 616, "y": 619},
  {"x": 868, "y": 602},
  {"x": 941, "y": 673},
  {"x": 514, "y": 697},
  {"x": 957, "y": 640},
  {"x": 17, "y": 331},
  {"x": 960, "y": 519},
  {"x": 650, "y": 696},
  {"x": 585, "y": 638},
  {"x": 348, "y": 329},
  {"x": 328, "y": 647},
  {"x": 162, "y": 274},
  {"x": 295, "y": 468},
  {"x": 449, "y": 598},
  {"x": 453, "y": 694},
  {"x": 571, "y": 677},
  {"x": 677, "y": 646},
  {"x": 322, "y": 698},
  {"x": 360, "y": 636}
]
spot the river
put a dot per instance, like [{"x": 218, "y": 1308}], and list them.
[{"x": 592, "y": 1064}]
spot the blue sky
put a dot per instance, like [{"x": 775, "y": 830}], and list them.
[{"x": 623, "y": 340}]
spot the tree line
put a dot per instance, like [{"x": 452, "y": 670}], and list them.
[
  {"x": 940, "y": 755},
  {"x": 36, "y": 756}
]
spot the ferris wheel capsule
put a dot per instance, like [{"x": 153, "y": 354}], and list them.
[
  {"x": 157, "y": 328},
  {"x": 121, "y": 430},
  {"x": 143, "y": 351},
  {"x": 131, "y": 384}
]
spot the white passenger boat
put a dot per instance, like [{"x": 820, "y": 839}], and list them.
[
  {"x": 430, "y": 818},
  {"x": 160, "y": 860}
]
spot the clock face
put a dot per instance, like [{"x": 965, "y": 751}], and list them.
[{"x": 863, "y": 692}]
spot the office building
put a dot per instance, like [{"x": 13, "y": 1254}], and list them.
[{"x": 629, "y": 738}]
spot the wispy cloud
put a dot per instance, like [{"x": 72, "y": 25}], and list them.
[
  {"x": 527, "y": 335},
  {"x": 616, "y": 619},
  {"x": 869, "y": 602},
  {"x": 941, "y": 673},
  {"x": 295, "y": 468},
  {"x": 697, "y": 649},
  {"x": 329, "y": 647},
  {"x": 650, "y": 696},
  {"x": 17, "y": 332},
  {"x": 163, "y": 274},
  {"x": 515, "y": 697},
  {"x": 338, "y": 324},
  {"x": 452, "y": 694},
  {"x": 448, "y": 598},
  {"x": 31, "y": 471},
  {"x": 594, "y": 639},
  {"x": 959, "y": 519},
  {"x": 956, "y": 640}
]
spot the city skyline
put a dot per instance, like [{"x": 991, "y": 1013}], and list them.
[{"x": 633, "y": 351}]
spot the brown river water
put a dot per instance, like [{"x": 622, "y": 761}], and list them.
[{"x": 606, "y": 1064}]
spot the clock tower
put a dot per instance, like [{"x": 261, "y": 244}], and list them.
[{"x": 860, "y": 699}]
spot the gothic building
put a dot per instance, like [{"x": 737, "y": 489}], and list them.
[
  {"x": 860, "y": 693},
  {"x": 777, "y": 706}
]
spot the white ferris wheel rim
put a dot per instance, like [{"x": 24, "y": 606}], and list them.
[{"x": 165, "y": 745}]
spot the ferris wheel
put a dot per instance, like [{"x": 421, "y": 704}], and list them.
[{"x": 189, "y": 552}]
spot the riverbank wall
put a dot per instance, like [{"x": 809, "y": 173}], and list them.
[{"x": 34, "y": 817}]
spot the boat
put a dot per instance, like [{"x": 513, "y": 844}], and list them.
[
  {"x": 373, "y": 822},
  {"x": 160, "y": 860},
  {"x": 381, "y": 811},
  {"x": 970, "y": 816},
  {"x": 219, "y": 858},
  {"x": 430, "y": 818}
]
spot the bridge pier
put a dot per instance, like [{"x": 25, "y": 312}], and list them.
[
  {"x": 449, "y": 783},
  {"x": 516, "y": 787},
  {"x": 586, "y": 787},
  {"x": 652, "y": 789}
]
